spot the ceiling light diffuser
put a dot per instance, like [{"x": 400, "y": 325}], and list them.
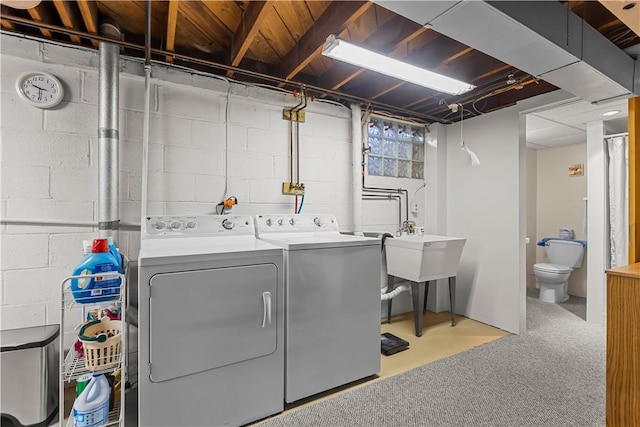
[
  {"x": 361, "y": 57},
  {"x": 611, "y": 113}
]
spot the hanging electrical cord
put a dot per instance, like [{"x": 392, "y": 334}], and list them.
[
  {"x": 295, "y": 208},
  {"x": 227, "y": 203},
  {"x": 301, "y": 203},
  {"x": 415, "y": 193},
  {"x": 225, "y": 206},
  {"x": 519, "y": 84},
  {"x": 226, "y": 141},
  {"x": 490, "y": 88},
  {"x": 475, "y": 161}
]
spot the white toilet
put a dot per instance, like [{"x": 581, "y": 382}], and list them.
[{"x": 564, "y": 256}]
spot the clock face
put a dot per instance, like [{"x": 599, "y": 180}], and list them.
[{"x": 40, "y": 89}]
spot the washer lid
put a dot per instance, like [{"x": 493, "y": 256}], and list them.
[
  {"x": 174, "y": 250},
  {"x": 320, "y": 240},
  {"x": 552, "y": 268}
]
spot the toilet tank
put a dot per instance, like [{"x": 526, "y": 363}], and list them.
[{"x": 565, "y": 252}]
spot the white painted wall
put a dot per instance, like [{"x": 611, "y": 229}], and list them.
[
  {"x": 532, "y": 202},
  {"x": 49, "y": 171},
  {"x": 483, "y": 205},
  {"x": 597, "y": 257},
  {"x": 488, "y": 205},
  {"x": 49, "y": 164},
  {"x": 560, "y": 203}
]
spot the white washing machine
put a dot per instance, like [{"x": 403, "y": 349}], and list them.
[
  {"x": 332, "y": 302},
  {"x": 211, "y": 324}
]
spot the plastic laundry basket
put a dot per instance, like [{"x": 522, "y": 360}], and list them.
[{"x": 101, "y": 341}]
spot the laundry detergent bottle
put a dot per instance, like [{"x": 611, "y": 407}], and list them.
[
  {"x": 96, "y": 289},
  {"x": 91, "y": 408},
  {"x": 115, "y": 253}
]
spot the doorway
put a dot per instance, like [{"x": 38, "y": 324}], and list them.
[{"x": 566, "y": 178}]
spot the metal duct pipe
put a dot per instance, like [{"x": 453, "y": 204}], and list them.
[
  {"x": 145, "y": 119},
  {"x": 542, "y": 38},
  {"x": 108, "y": 135}
]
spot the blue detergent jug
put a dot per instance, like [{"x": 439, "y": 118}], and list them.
[
  {"x": 116, "y": 254},
  {"x": 91, "y": 408},
  {"x": 96, "y": 289}
]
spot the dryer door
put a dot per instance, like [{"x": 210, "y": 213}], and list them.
[{"x": 205, "y": 319}]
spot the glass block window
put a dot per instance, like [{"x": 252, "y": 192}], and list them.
[{"x": 395, "y": 148}]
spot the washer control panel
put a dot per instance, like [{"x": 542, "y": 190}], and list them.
[
  {"x": 200, "y": 225},
  {"x": 282, "y": 223}
]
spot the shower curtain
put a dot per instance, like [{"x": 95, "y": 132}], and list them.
[{"x": 618, "y": 199}]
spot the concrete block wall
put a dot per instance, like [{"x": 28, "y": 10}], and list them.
[{"x": 49, "y": 164}]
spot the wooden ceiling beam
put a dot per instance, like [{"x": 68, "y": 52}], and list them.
[
  {"x": 172, "y": 20},
  {"x": 69, "y": 17},
  {"x": 252, "y": 19},
  {"x": 511, "y": 96},
  {"x": 486, "y": 83},
  {"x": 42, "y": 13},
  {"x": 89, "y": 12},
  {"x": 6, "y": 24},
  {"x": 201, "y": 16},
  {"x": 422, "y": 99},
  {"x": 630, "y": 17},
  {"x": 489, "y": 97},
  {"x": 501, "y": 99},
  {"x": 334, "y": 20},
  {"x": 411, "y": 98}
]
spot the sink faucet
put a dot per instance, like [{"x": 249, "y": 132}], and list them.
[{"x": 408, "y": 227}]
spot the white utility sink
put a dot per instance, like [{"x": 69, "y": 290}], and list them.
[{"x": 421, "y": 258}]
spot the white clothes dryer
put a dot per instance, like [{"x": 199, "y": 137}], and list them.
[
  {"x": 211, "y": 325},
  {"x": 332, "y": 288}
]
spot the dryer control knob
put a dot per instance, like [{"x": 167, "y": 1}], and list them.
[
  {"x": 228, "y": 224},
  {"x": 158, "y": 225},
  {"x": 317, "y": 221},
  {"x": 192, "y": 225},
  {"x": 176, "y": 225},
  {"x": 268, "y": 222},
  {"x": 280, "y": 221},
  {"x": 292, "y": 221}
]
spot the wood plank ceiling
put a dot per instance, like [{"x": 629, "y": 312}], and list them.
[{"x": 279, "y": 43}]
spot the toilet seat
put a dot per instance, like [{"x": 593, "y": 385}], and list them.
[{"x": 552, "y": 268}]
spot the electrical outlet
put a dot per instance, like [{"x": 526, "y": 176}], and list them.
[
  {"x": 293, "y": 188},
  {"x": 414, "y": 207}
]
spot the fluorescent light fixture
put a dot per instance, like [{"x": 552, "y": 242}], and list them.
[
  {"x": 611, "y": 113},
  {"x": 355, "y": 55}
]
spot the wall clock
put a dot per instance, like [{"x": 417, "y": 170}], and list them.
[{"x": 40, "y": 89}]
